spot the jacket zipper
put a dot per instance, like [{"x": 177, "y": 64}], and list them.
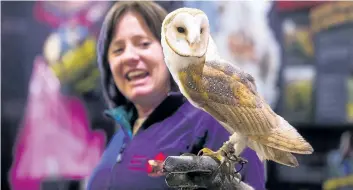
[
  {"x": 119, "y": 157},
  {"x": 118, "y": 160}
]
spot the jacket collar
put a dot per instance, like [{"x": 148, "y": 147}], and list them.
[{"x": 125, "y": 116}]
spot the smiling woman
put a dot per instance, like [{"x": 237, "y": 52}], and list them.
[
  {"x": 154, "y": 119},
  {"x": 136, "y": 61}
]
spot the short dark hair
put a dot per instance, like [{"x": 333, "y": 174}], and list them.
[{"x": 153, "y": 15}]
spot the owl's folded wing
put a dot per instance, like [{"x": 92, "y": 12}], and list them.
[{"x": 232, "y": 99}]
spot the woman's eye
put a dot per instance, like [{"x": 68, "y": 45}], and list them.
[
  {"x": 117, "y": 51},
  {"x": 201, "y": 30},
  {"x": 181, "y": 30},
  {"x": 145, "y": 44}
]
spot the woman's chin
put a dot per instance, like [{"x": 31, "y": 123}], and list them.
[{"x": 142, "y": 91}]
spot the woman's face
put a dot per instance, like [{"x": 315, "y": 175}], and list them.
[{"x": 136, "y": 60}]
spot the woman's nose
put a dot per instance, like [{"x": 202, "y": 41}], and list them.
[{"x": 130, "y": 55}]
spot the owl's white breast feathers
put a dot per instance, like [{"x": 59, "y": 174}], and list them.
[{"x": 212, "y": 51}]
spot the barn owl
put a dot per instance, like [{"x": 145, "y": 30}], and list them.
[{"x": 223, "y": 90}]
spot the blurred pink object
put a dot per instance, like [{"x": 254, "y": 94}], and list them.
[
  {"x": 56, "y": 140},
  {"x": 55, "y": 13}
]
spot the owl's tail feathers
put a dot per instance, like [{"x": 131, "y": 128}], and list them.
[
  {"x": 279, "y": 145},
  {"x": 268, "y": 153},
  {"x": 284, "y": 138}
]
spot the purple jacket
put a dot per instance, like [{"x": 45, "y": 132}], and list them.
[{"x": 175, "y": 127}]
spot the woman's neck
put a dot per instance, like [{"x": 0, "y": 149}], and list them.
[{"x": 145, "y": 109}]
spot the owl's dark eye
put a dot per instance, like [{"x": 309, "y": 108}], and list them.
[
  {"x": 181, "y": 29},
  {"x": 201, "y": 30}
]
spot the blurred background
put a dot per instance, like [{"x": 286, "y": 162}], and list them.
[{"x": 52, "y": 128}]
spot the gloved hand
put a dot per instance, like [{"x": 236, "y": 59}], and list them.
[{"x": 198, "y": 172}]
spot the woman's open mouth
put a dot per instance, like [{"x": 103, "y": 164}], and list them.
[{"x": 136, "y": 75}]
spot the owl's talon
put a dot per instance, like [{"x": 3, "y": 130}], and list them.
[
  {"x": 227, "y": 161},
  {"x": 239, "y": 160},
  {"x": 206, "y": 151},
  {"x": 209, "y": 152}
]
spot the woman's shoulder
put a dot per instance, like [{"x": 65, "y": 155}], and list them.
[
  {"x": 202, "y": 122},
  {"x": 184, "y": 108},
  {"x": 191, "y": 112}
]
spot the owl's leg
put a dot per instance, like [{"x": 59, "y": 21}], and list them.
[
  {"x": 231, "y": 158},
  {"x": 234, "y": 147}
]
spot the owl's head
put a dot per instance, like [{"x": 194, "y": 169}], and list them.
[{"x": 186, "y": 31}]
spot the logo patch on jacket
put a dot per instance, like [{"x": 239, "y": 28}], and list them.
[{"x": 140, "y": 162}]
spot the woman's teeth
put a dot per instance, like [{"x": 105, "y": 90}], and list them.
[{"x": 136, "y": 75}]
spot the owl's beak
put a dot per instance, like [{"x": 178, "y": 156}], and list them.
[
  {"x": 191, "y": 44},
  {"x": 193, "y": 39}
]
